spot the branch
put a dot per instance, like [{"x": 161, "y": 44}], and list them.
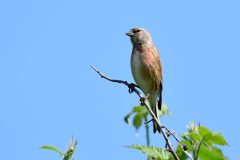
[
  {"x": 130, "y": 85},
  {"x": 184, "y": 147},
  {"x": 132, "y": 88}
]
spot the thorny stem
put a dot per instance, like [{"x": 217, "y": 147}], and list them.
[{"x": 133, "y": 89}]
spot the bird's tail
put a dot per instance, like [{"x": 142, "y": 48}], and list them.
[{"x": 155, "y": 125}]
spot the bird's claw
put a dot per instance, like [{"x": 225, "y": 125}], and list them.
[
  {"x": 142, "y": 100},
  {"x": 131, "y": 87}
]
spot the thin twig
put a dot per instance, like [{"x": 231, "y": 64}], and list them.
[
  {"x": 184, "y": 147},
  {"x": 174, "y": 136},
  {"x": 119, "y": 81},
  {"x": 142, "y": 99}
]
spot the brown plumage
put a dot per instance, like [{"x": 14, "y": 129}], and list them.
[{"x": 146, "y": 68}]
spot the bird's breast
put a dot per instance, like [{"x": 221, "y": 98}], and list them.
[{"x": 139, "y": 65}]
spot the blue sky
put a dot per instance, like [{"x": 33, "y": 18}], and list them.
[{"x": 49, "y": 92}]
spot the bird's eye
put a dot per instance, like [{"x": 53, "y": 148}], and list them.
[{"x": 136, "y": 30}]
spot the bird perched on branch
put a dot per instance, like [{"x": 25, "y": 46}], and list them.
[{"x": 146, "y": 69}]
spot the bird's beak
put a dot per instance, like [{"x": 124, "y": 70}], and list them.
[{"x": 130, "y": 33}]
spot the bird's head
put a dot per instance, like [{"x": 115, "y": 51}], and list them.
[{"x": 140, "y": 37}]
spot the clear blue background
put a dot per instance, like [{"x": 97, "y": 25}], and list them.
[{"x": 48, "y": 92}]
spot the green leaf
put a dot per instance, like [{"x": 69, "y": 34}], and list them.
[
  {"x": 204, "y": 131},
  {"x": 137, "y": 120},
  {"x": 210, "y": 153},
  {"x": 52, "y": 149},
  {"x": 138, "y": 109},
  {"x": 185, "y": 135},
  {"x": 208, "y": 139},
  {"x": 126, "y": 118},
  {"x": 71, "y": 148},
  {"x": 202, "y": 143},
  {"x": 156, "y": 153},
  {"x": 218, "y": 139},
  {"x": 195, "y": 136}
]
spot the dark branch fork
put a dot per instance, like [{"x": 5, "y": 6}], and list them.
[{"x": 132, "y": 88}]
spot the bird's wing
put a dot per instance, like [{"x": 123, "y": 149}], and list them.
[
  {"x": 157, "y": 75},
  {"x": 155, "y": 70}
]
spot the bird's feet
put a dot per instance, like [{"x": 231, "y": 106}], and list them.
[
  {"x": 131, "y": 87},
  {"x": 143, "y": 99}
]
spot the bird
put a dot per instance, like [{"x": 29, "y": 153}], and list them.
[{"x": 147, "y": 69}]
